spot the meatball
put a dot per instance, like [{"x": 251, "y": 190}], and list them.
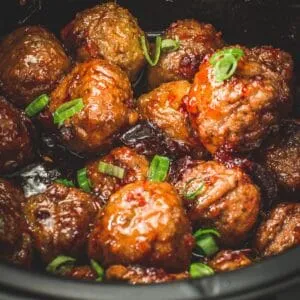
[
  {"x": 135, "y": 165},
  {"x": 281, "y": 155},
  {"x": 196, "y": 40},
  {"x": 143, "y": 223},
  {"x": 80, "y": 272},
  {"x": 60, "y": 220},
  {"x": 142, "y": 275},
  {"x": 16, "y": 133},
  {"x": 280, "y": 231},
  {"x": 107, "y": 31},
  {"x": 32, "y": 61},
  {"x": 220, "y": 197},
  {"x": 229, "y": 260},
  {"x": 242, "y": 110},
  {"x": 15, "y": 241},
  {"x": 107, "y": 97}
]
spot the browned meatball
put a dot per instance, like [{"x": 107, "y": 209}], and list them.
[
  {"x": 143, "y": 223},
  {"x": 281, "y": 155},
  {"x": 81, "y": 272},
  {"x": 60, "y": 220},
  {"x": 142, "y": 275},
  {"x": 229, "y": 260},
  {"x": 228, "y": 199},
  {"x": 107, "y": 31},
  {"x": 280, "y": 231},
  {"x": 32, "y": 61},
  {"x": 15, "y": 242},
  {"x": 135, "y": 165},
  {"x": 196, "y": 40},
  {"x": 242, "y": 110},
  {"x": 15, "y": 138},
  {"x": 107, "y": 97}
]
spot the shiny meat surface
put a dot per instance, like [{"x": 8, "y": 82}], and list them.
[
  {"x": 280, "y": 231},
  {"x": 60, "y": 220},
  {"x": 242, "y": 110},
  {"x": 107, "y": 31},
  {"x": 32, "y": 61},
  {"x": 80, "y": 272},
  {"x": 196, "y": 40},
  {"x": 228, "y": 200},
  {"x": 143, "y": 223}
]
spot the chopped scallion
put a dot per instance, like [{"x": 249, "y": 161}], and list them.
[
  {"x": 159, "y": 168},
  {"x": 198, "y": 270},
  {"x": 111, "y": 170},
  {"x": 37, "y": 105},
  {"x": 83, "y": 181}
]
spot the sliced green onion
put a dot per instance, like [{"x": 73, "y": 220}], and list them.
[
  {"x": 206, "y": 242},
  {"x": 37, "y": 105},
  {"x": 111, "y": 170},
  {"x": 169, "y": 45},
  {"x": 83, "y": 181},
  {"x": 159, "y": 168},
  {"x": 98, "y": 269},
  {"x": 66, "y": 182},
  {"x": 58, "y": 262},
  {"x": 201, "y": 232},
  {"x": 191, "y": 195},
  {"x": 152, "y": 62},
  {"x": 238, "y": 53},
  {"x": 198, "y": 270},
  {"x": 67, "y": 110}
]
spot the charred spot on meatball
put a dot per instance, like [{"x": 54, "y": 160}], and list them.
[
  {"x": 32, "y": 61},
  {"x": 196, "y": 41},
  {"x": 16, "y": 138},
  {"x": 107, "y": 31},
  {"x": 143, "y": 223},
  {"x": 59, "y": 221},
  {"x": 242, "y": 110}
]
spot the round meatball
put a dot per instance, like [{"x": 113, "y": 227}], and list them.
[
  {"x": 135, "y": 165},
  {"x": 143, "y": 223},
  {"x": 220, "y": 197},
  {"x": 107, "y": 31},
  {"x": 15, "y": 241},
  {"x": 229, "y": 260},
  {"x": 107, "y": 97},
  {"x": 142, "y": 275},
  {"x": 59, "y": 220},
  {"x": 281, "y": 155},
  {"x": 32, "y": 61},
  {"x": 280, "y": 231},
  {"x": 242, "y": 110},
  {"x": 16, "y": 132},
  {"x": 196, "y": 40}
]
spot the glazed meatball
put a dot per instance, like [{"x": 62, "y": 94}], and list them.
[
  {"x": 220, "y": 197},
  {"x": 229, "y": 260},
  {"x": 80, "y": 272},
  {"x": 16, "y": 133},
  {"x": 135, "y": 165},
  {"x": 107, "y": 31},
  {"x": 15, "y": 241},
  {"x": 107, "y": 97},
  {"x": 143, "y": 223},
  {"x": 142, "y": 275},
  {"x": 59, "y": 220},
  {"x": 32, "y": 61},
  {"x": 280, "y": 231},
  {"x": 281, "y": 155},
  {"x": 196, "y": 40},
  {"x": 242, "y": 110}
]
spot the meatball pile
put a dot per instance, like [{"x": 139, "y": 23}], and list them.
[{"x": 151, "y": 181}]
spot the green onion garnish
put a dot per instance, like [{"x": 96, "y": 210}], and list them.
[
  {"x": 98, "y": 269},
  {"x": 206, "y": 242},
  {"x": 198, "y": 270},
  {"x": 152, "y": 62},
  {"x": 201, "y": 232},
  {"x": 83, "y": 181},
  {"x": 58, "y": 262},
  {"x": 67, "y": 110},
  {"x": 191, "y": 195},
  {"x": 37, "y": 105},
  {"x": 159, "y": 168},
  {"x": 66, "y": 182},
  {"x": 169, "y": 45},
  {"x": 111, "y": 170},
  {"x": 225, "y": 63}
]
